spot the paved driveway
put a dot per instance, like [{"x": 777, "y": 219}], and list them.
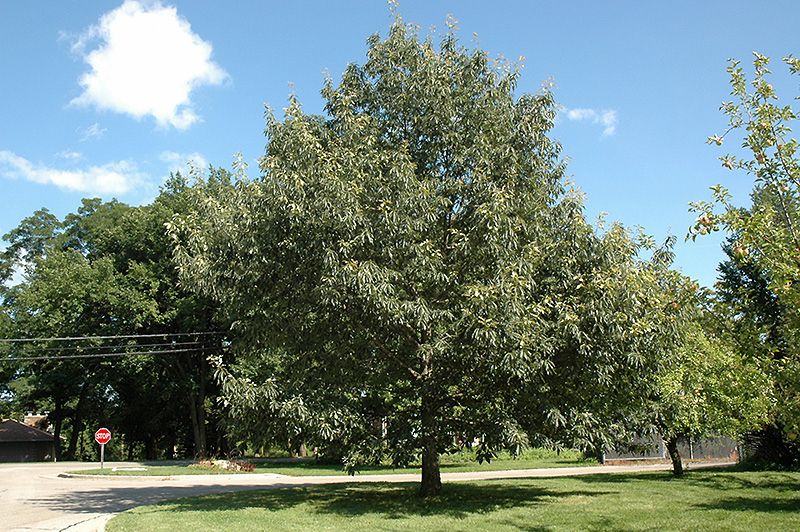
[
  {"x": 43, "y": 497},
  {"x": 40, "y": 497}
]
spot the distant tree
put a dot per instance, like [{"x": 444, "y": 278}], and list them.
[
  {"x": 107, "y": 270},
  {"x": 66, "y": 388},
  {"x": 140, "y": 250},
  {"x": 710, "y": 388},
  {"x": 753, "y": 319},
  {"x": 747, "y": 309},
  {"x": 414, "y": 272},
  {"x": 7, "y": 372},
  {"x": 30, "y": 240}
]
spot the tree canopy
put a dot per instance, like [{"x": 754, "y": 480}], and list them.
[
  {"x": 759, "y": 282},
  {"x": 104, "y": 275},
  {"x": 414, "y": 271}
]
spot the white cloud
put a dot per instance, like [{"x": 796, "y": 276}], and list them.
[
  {"x": 607, "y": 118},
  {"x": 582, "y": 114},
  {"x": 148, "y": 63},
  {"x": 70, "y": 155},
  {"x": 113, "y": 178},
  {"x": 179, "y": 162},
  {"x": 92, "y": 132}
]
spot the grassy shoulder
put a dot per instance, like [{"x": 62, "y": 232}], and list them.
[
  {"x": 705, "y": 500},
  {"x": 530, "y": 459}
]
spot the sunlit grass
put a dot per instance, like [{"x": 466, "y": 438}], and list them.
[
  {"x": 705, "y": 500},
  {"x": 461, "y": 462}
]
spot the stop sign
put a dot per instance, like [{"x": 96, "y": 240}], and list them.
[{"x": 102, "y": 436}]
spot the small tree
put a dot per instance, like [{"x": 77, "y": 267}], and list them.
[
  {"x": 710, "y": 388},
  {"x": 769, "y": 229}
]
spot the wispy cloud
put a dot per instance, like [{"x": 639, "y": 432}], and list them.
[
  {"x": 148, "y": 63},
  {"x": 93, "y": 132},
  {"x": 606, "y": 118},
  {"x": 113, "y": 178},
  {"x": 70, "y": 155},
  {"x": 179, "y": 162}
]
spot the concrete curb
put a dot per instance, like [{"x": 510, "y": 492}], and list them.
[
  {"x": 92, "y": 524},
  {"x": 172, "y": 477}
]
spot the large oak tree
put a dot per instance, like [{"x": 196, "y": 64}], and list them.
[{"x": 413, "y": 269}]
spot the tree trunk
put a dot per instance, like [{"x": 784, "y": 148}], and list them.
[
  {"x": 58, "y": 416},
  {"x": 431, "y": 476},
  {"x": 675, "y": 456},
  {"x": 298, "y": 448},
  {"x": 169, "y": 446},
  {"x": 77, "y": 422},
  {"x": 150, "y": 448},
  {"x": 595, "y": 452},
  {"x": 197, "y": 411}
]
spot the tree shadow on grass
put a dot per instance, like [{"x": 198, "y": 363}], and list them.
[
  {"x": 718, "y": 477},
  {"x": 113, "y": 499},
  {"x": 390, "y": 501},
  {"x": 766, "y": 503},
  {"x": 773, "y": 480},
  {"x": 761, "y": 491},
  {"x": 623, "y": 478}
]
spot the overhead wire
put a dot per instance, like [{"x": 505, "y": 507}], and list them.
[
  {"x": 69, "y": 352},
  {"x": 123, "y": 336},
  {"x": 89, "y": 347},
  {"x": 106, "y": 355}
]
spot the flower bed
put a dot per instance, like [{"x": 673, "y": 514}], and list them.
[{"x": 225, "y": 465}]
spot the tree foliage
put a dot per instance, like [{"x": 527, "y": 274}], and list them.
[
  {"x": 753, "y": 319},
  {"x": 413, "y": 271},
  {"x": 710, "y": 388},
  {"x": 105, "y": 271},
  {"x": 765, "y": 235}
]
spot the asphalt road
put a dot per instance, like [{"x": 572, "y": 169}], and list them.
[{"x": 44, "y": 497}]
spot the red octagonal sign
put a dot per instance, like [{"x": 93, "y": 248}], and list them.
[{"x": 102, "y": 436}]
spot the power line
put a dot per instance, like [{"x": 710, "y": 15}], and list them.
[
  {"x": 95, "y": 347},
  {"x": 83, "y": 338},
  {"x": 106, "y": 355},
  {"x": 71, "y": 349}
]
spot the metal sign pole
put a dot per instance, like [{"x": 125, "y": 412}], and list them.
[{"x": 102, "y": 436}]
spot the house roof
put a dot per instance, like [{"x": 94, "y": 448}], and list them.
[{"x": 11, "y": 430}]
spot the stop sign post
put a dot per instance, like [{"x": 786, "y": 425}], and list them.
[{"x": 102, "y": 436}]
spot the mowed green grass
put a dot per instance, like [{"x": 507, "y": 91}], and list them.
[
  {"x": 532, "y": 459},
  {"x": 705, "y": 500}
]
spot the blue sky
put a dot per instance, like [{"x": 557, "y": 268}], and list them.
[{"x": 92, "y": 103}]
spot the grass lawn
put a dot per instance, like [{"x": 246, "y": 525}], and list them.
[
  {"x": 719, "y": 500},
  {"x": 531, "y": 459}
]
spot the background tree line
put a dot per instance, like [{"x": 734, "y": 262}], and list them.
[{"x": 105, "y": 274}]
